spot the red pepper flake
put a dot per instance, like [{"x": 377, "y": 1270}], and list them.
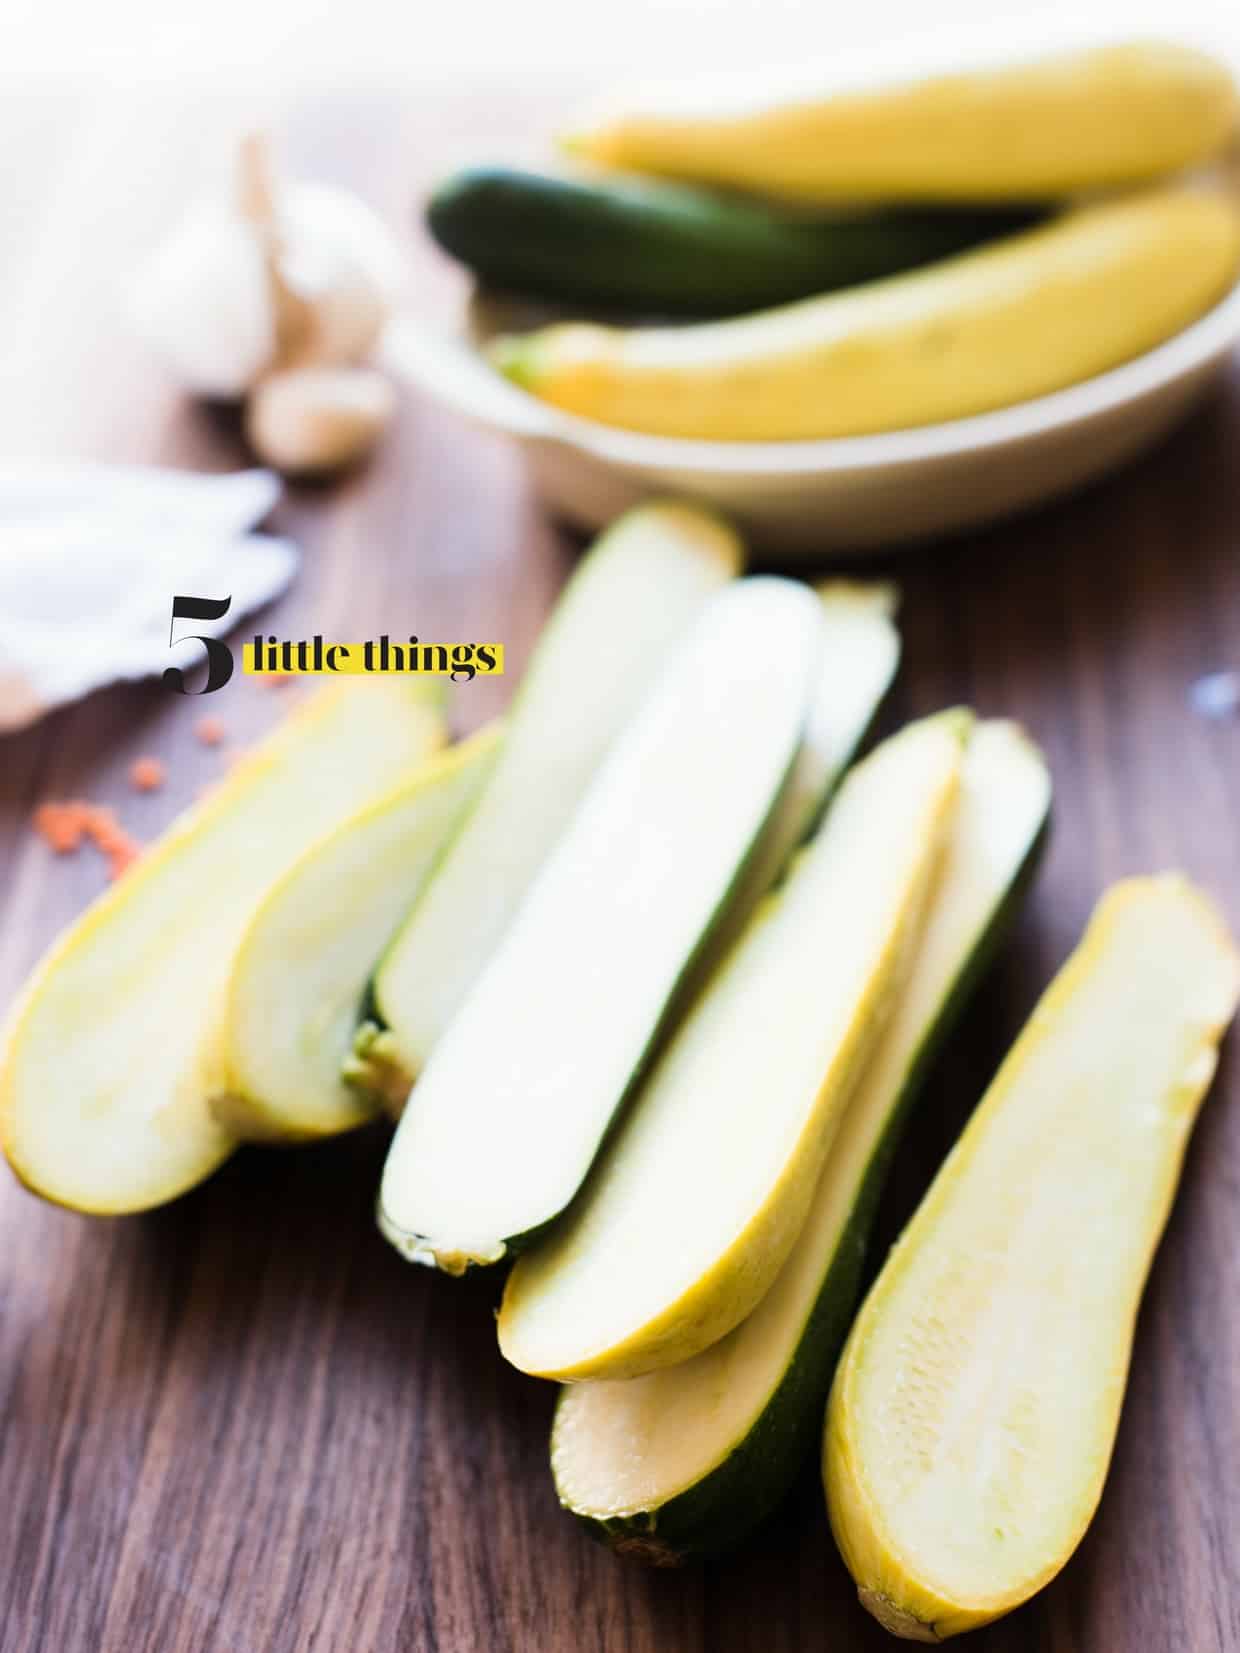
[
  {"x": 64, "y": 826},
  {"x": 210, "y": 731},
  {"x": 60, "y": 825},
  {"x": 116, "y": 845},
  {"x": 121, "y": 854},
  {"x": 147, "y": 775}
]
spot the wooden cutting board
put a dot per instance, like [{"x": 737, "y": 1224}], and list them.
[{"x": 242, "y": 1422}]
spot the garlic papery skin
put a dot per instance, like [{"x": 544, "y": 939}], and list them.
[
  {"x": 203, "y": 303},
  {"x": 340, "y": 262},
  {"x": 285, "y": 275},
  {"x": 312, "y": 421}
]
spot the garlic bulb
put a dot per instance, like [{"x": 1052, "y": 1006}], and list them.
[
  {"x": 340, "y": 264},
  {"x": 310, "y": 421},
  {"x": 204, "y": 303},
  {"x": 285, "y": 275}
]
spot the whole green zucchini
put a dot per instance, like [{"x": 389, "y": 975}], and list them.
[{"x": 670, "y": 250}]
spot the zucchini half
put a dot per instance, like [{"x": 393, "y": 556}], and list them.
[
  {"x": 508, "y": 1116},
  {"x": 686, "y": 1461},
  {"x": 633, "y": 598},
  {"x": 113, "y": 1056},
  {"x": 860, "y": 653},
  {"x": 702, "y": 1192},
  {"x": 976, "y": 1404},
  {"x": 298, "y": 981}
]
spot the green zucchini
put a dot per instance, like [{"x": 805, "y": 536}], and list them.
[
  {"x": 687, "y": 1461},
  {"x": 668, "y": 249},
  {"x": 860, "y": 653},
  {"x": 704, "y": 1188},
  {"x": 299, "y": 978},
  {"x": 510, "y": 1111},
  {"x": 640, "y": 588}
]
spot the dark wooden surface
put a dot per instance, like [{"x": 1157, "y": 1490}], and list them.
[{"x": 242, "y": 1422}]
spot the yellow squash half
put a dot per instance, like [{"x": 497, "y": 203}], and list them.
[
  {"x": 114, "y": 1057},
  {"x": 975, "y": 1408},
  {"x": 1020, "y": 318},
  {"x": 705, "y": 1185}
]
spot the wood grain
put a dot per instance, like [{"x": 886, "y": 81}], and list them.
[{"x": 241, "y": 1422}]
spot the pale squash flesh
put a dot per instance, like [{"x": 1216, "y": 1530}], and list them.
[
  {"x": 687, "y": 1460},
  {"x": 507, "y": 1118},
  {"x": 700, "y": 1196},
  {"x": 633, "y": 598},
  {"x": 297, "y": 983},
  {"x": 860, "y": 652},
  {"x": 113, "y": 1055},
  {"x": 974, "y": 1412}
]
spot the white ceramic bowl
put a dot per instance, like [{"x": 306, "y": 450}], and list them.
[{"x": 813, "y": 499}]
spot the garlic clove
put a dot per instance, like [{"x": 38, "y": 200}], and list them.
[
  {"x": 340, "y": 263},
  {"x": 203, "y": 302},
  {"x": 312, "y": 421}
]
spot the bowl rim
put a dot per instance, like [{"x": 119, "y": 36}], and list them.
[{"x": 453, "y": 369}]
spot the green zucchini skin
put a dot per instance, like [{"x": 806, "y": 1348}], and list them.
[
  {"x": 720, "y": 1511},
  {"x": 666, "y": 249},
  {"x": 723, "y": 931},
  {"x": 674, "y": 1007}
]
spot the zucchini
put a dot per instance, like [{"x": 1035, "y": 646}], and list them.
[
  {"x": 975, "y": 1407},
  {"x": 509, "y": 1114},
  {"x": 113, "y": 1055},
  {"x": 980, "y": 331},
  {"x": 299, "y": 976},
  {"x": 686, "y": 1461},
  {"x": 860, "y": 652},
  {"x": 639, "y": 589},
  {"x": 665, "y": 249},
  {"x": 703, "y": 1190},
  {"x": 997, "y": 130}
]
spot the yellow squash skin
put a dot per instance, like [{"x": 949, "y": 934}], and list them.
[
  {"x": 1018, "y": 319},
  {"x": 1080, "y": 120},
  {"x": 975, "y": 1408},
  {"x": 111, "y": 1058},
  {"x": 569, "y": 1310}
]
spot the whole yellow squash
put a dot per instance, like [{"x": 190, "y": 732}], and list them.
[
  {"x": 1019, "y": 318},
  {"x": 1118, "y": 114}
]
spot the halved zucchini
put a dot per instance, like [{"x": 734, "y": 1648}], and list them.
[
  {"x": 860, "y": 653},
  {"x": 975, "y": 1407},
  {"x": 113, "y": 1054},
  {"x": 703, "y": 1190},
  {"x": 299, "y": 977},
  {"x": 638, "y": 591},
  {"x": 686, "y": 1461},
  {"x": 508, "y": 1116}
]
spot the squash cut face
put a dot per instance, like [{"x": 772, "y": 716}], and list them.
[
  {"x": 113, "y": 1056},
  {"x": 974, "y": 1412},
  {"x": 509, "y": 1114},
  {"x": 690, "y": 1458},
  {"x": 635, "y": 595},
  {"x": 702, "y": 1192},
  {"x": 297, "y": 984}
]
